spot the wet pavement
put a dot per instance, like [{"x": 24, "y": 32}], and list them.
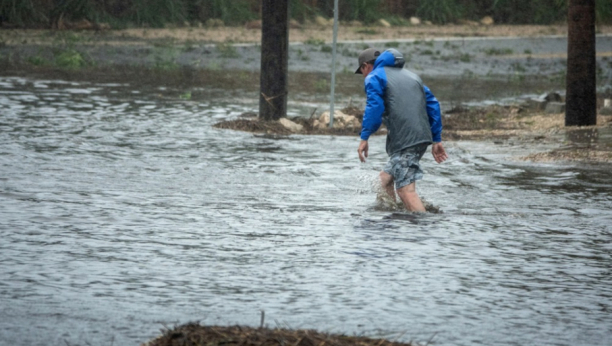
[{"x": 122, "y": 210}]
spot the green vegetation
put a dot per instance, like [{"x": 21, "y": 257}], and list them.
[
  {"x": 38, "y": 60},
  {"x": 429, "y": 43},
  {"x": 314, "y": 42},
  {"x": 70, "y": 59},
  {"x": 161, "y": 13},
  {"x": 321, "y": 85},
  {"x": 449, "y": 45},
  {"x": 366, "y": 31},
  {"x": 189, "y": 46},
  {"x": 465, "y": 57},
  {"x": 559, "y": 77},
  {"x": 227, "y": 50},
  {"x": 348, "y": 52},
  {"x": 164, "y": 59},
  {"x": 440, "y": 11},
  {"x": 65, "y": 55},
  {"x": 498, "y": 51},
  {"x": 302, "y": 56},
  {"x": 518, "y": 67}
]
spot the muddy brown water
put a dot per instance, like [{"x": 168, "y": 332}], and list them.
[{"x": 122, "y": 210}]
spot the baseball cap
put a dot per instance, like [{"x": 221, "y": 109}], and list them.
[{"x": 365, "y": 56}]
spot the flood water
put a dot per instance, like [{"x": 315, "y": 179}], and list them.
[{"x": 122, "y": 210}]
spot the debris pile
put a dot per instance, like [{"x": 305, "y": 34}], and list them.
[
  {"x": 551, "y": 103},
  {"x": 341, "y": 120},
  {"x": 193, "y": 334},
  {"x": 347, "y": 122}
]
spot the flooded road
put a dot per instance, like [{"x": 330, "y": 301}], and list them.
[{"x": 122, "y": 210}]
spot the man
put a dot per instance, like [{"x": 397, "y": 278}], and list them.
[{"x": 411, "y": 113}]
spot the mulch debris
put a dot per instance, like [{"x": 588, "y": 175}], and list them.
[
  {"x": 249, "y": 122},
  {"x": 496, "y": 123},
  {"x": 194, "y": 334}
]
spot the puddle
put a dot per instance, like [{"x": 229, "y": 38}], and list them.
[{"x": 135, "y": 213}]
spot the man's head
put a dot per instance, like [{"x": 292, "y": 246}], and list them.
[{"x": 366, "y": 61}]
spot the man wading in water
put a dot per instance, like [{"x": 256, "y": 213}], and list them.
[{"x": 411, "y": 113}]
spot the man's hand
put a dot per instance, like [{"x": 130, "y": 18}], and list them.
[
  {"x": 363, "y": 150},
  {"x": 438, "y": 152}
]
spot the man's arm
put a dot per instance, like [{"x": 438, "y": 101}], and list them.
[
  {"x": 372, "y": 116},
  {"x": 375, "y": 105},
  {"x": 362, "y": 151},
  {"x": 435, "y": 122},
  {"x": 434, "y": 114},
  {"x": 438, "y": 152}
]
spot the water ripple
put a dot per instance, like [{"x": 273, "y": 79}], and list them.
[{"x": 121, "y": 211}]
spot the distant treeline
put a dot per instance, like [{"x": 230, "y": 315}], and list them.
[{"x": 159, "y": 13}]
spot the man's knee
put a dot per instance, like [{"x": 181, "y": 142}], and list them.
[{"x": 410, "y": 188}]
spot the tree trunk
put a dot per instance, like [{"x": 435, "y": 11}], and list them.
[
  {"x": 581, "y": 98},
  {"x": 274, "y": 55}
]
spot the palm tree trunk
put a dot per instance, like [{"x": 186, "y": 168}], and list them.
[
  {"x": 274, "y": 57},
  {"x": 581, "y": 98}
]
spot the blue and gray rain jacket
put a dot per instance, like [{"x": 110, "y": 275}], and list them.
[{"x": 398, "y": 98}]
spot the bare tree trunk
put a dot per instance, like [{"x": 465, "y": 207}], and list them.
[
  {"x": 274, "y": 55},
  {"x": 581, "y": 98}
]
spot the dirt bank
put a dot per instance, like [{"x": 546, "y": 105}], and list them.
[{"x": 304, "y": 33}]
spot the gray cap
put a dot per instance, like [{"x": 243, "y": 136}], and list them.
[{"x": 367, "y": 55}]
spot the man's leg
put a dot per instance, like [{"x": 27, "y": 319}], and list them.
[
  {"x": 386, "y": 181},
  {"x": 411, "y": 199}
]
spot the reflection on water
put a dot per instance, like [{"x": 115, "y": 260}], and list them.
[
  {"x": 123, "y": 210},
  {"x": 583, "y": 136}
]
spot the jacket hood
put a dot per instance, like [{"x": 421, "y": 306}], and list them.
[{"x": 391, "y": 58}]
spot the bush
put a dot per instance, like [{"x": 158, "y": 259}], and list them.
[
  {"x": 70, "y": 59},
  {"x": 440, "y": 11},
  {"x": 158, "y": 13}
]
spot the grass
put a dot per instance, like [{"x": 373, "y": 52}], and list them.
[
  {"x": 366, "y": 31},
  {"x": 518, "y": 67},
  {"x": 429, "y": 43},
  {"x": 449, "y": 45},
  {"x": 38, "y": 60},
  {"x": 349, "y": 52},
  {"x": 164, "y": 59},
  {"x": 465, "y": 57},
  {"x": 68, "y": 38},
  {"x": 498, "y": 51},
  {"x": 70, "y": 59},
  {"x": 164, "y": 43},
  {"x": 189, "y": 46},
  {"x": 314, "y": 42},
  {"x": 321, "y": 85},
  {"x": 227, "y": 50}
]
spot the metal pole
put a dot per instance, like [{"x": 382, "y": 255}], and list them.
[{"x": 333, "y": 73}]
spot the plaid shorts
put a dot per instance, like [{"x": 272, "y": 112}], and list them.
[{"x": 404, "y": 166}]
